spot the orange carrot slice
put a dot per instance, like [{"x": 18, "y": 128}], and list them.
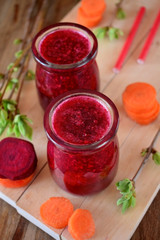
[
  {"x": 145, "y": 114},
  {"x": 83, "y": 19},
  {"x": 145, "y": 118},
  {"x": 140, "y": 104},
  {"x": 81, "y": 224},
  {"x": 139, "y": 95},
  {"x": 15, "y": 183},
  {"x": 148, "y": 108},
  {"x": 93, "y": 8},
  {"x": 56, "y": 212}
]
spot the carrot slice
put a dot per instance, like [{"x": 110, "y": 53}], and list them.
[
  {"x": 145, "y": 118},
  {"x": 93, "y": 8},
  {"x": 140, "y": 103},
  {"x": 15, "y": 183},
  {"x": 83, "y": 19},
  {"x": 56, "y": 212},
  {"x": 81, "y": 224},
  {"x": 139, "y": 95},
  {"x": 148, "y": 108},
  {"x": 144, "y": 114}
]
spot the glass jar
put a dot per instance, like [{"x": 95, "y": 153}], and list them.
[
  {"x": 87, "y": 166},
  {"x": 56, "y": 73}
]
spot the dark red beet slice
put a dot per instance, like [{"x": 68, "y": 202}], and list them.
[{"x": 18, "y": 159}]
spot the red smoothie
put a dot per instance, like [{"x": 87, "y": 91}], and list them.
[
  {"x": 65, "y": 58},
  {"x": 64, "y": 47},
  {"x": 87, "y": 120},
  {"x": 89, "y": 163}
]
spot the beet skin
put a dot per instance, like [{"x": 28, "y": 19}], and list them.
[{"x": 18, "y": 158}]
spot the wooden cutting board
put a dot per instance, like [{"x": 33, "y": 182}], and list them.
[{"x": 110, "y": 223}]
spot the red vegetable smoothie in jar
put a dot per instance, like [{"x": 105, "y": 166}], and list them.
[
  {"x": 65, "y": 55},
  {"x": 82, "y": 147},
  {"x": 64, "y": 47}
]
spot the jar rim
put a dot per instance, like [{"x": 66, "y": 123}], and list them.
[
  {"x": 74, "y": 147},
  {"x": 92, "y": 54}
]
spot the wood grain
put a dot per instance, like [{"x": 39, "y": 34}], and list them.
[{"x": 14, "y": 15}]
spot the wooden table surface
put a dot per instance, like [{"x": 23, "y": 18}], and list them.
[{"x": 13, "y": 15}]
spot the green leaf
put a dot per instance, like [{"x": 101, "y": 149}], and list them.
[
  {"x": 113, "y": 33},
  {"x": 9, "y": 86},
  {"x": 125, "y": 205},
  {"x": 28, "y": 132},
  {"x": 25, "y": 118},
  {"x": 11, "y": 107},
  {"x": 124, "y": 185},
  {"x": 2, "y": 129},
  {"x": 16, "y": 130},
  {"x": 5, "y": 103},
  {"x": 17, "y": 41},
  {"x": 22, "y": 128},
  {"x": 17, "y": 118},
  {"x": 133, "y": 201},
  {"x": 10, "y": 130},
  {"x": 30, "y": 75},
  {"x": 4, "y": 114},
  {"x": 3, "y": 117},
  {"x": 15, "y": 69},
  {"x": 144, "y": 152},
  {"x": 126, "y": 188},
  {"x": 120, "y": 13},
  {"x": 101, "y": 32},
  {"x": 120, "y": 201},
  {"x": 10, "y": 66},
  {"x": 19, "y": 53},
  {"x": 156, "y": 157},
  {"x": 13, "y": 82}
]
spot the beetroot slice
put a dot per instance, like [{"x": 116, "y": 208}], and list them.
[{"x": 18, "y": 159}]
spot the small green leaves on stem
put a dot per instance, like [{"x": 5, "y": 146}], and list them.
[
  {"x": 144, "y": 152},
  {"x": 9, "y": 105},
  {"x": 17, "y": 41},
  {"x": 21, "y": 126},
  {"x": 19, "y": 53},
  {"x": 3, "y": 117},
  {"x": 111, "y": 32},
  {"x": 155, "y": 155},
  {"x": 15, "y": 69},
  {"x": 127, "y": 189},
  {"x": 10, "y": 66},
  {"x": 101, "y": 32},
  {"x": 15, "y": 123},
  {"x": 13, "y": 82},
  {"x": 7, "y": 110},
  {"x": 120, "y": 13},
  {"x": 114, "y": 33},
  {"x": 126, "y": 186}
]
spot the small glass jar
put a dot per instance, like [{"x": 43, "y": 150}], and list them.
[
  {"x": 53, "y": 79},
  {"x": 82, "y": 168}
]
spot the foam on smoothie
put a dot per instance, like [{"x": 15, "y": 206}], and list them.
[
  {"x": 64, "y": 46},
  {"x": 81, "y": 120}
]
